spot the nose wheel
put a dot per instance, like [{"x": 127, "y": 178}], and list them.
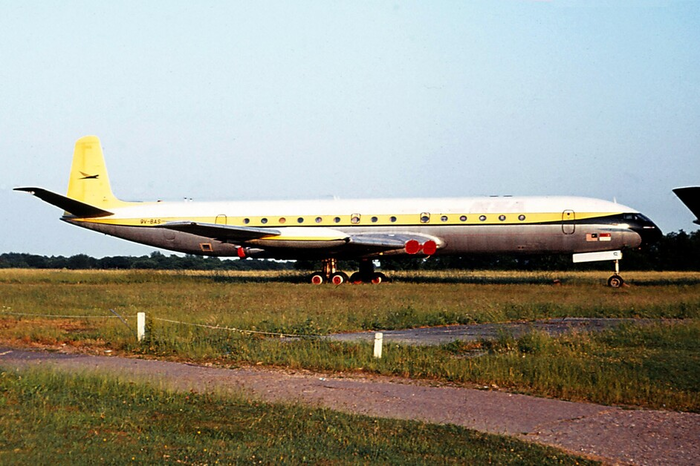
[{"x": 615, "y": 280}]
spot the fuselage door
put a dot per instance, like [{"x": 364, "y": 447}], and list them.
[
  {"x": 568, "y": 227},
  {"x": 221, "y": 219}
]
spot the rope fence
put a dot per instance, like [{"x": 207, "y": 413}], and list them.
[
  {"x": 141, "y": 327},
  {"x": 191, "y": 324},
  {"x": 249, "y": 332}
]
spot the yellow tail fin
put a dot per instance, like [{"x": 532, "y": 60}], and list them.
[{"x": 89, "y": 182}]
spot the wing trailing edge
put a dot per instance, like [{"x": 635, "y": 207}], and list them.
[{"x": 221, "y": 232}]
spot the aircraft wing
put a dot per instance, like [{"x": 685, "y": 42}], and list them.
[
  {"x": 388, "y": 241},
  {"x": 691, "y": 198},
  {"x": 372, "y": 244},
  {"x": 377, "y": 241},
  {"x": 221, "y": 232},
  {"x": 290, "y": 239}
]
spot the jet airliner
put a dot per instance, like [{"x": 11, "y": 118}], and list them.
[{"x": 364, "y": 230}]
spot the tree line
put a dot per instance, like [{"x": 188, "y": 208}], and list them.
[
  {"x": 155, "y": 261},
  {"x": 675, "y": 251}
]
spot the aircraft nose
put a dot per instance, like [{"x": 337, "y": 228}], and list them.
[{"x": 649, "y": 232}]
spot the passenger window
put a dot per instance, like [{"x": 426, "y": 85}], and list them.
[{"x": 425, "y": 217}]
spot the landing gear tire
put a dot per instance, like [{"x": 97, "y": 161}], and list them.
[
  {"x": 375, "y": 278},
  {"x": 615, "y": 281},
  {"x": 338, "y": 278},
  {"x": 317, "y": 278}
]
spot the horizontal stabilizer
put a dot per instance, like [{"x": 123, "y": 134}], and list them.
[
  {"x": 221, "y": 232},
  {"x": 690, "y": 196},
  {"x": 76, "y": 208}
]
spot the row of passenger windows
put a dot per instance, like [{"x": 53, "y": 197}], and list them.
[{"x": 355, "y": 219}]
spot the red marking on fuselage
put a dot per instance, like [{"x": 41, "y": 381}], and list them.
[{"x": 412, "y": 247}]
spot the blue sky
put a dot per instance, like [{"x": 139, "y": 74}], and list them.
[{"x": 312, "y": 99}]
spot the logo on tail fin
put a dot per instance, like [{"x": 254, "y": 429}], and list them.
[{"x": 89, "y": 177}]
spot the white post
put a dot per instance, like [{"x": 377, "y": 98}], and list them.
[
  {"x": 141, "y": 326},
  {"x": 378, "y": 340}
]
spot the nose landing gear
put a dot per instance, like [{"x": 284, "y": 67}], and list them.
[{"x": 615, "y": 280}]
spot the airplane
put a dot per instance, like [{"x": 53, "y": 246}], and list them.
[
  {"x": 364, "y": 230},
  {"x": 690, "y": 196}
]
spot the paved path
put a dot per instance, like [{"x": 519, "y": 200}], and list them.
[{"x": 611, "y": 434}]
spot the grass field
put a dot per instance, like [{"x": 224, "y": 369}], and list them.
[
  {"x": 653, "y": 366},
  {"x": 51, "y": 418}
]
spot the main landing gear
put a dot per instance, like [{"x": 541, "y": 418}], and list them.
[
  {"x": 367, "y": 274},
  {"x": 615, "y": 280},
  {"x": 330, "y": 274}
]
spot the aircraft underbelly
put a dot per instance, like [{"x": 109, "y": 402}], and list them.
[
  {"x": 165, "y": 239},
  {"x": 535, "y": 239}
]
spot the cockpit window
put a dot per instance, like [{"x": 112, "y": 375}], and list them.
[{"x": 636, "y": 218}]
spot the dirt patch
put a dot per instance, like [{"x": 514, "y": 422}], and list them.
[
  {"x": 66, "y": 325},
  {"x": 609, "y": 433}
]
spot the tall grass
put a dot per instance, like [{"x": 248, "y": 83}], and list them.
[{"x": 52, "y": 418}]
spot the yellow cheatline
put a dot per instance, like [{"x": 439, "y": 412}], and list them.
[{"x": 366, "y": 221}]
